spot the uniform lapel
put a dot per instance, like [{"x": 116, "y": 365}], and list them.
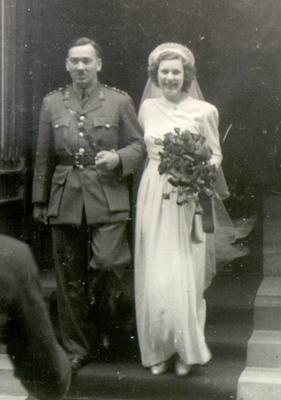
[
  {"x": 96, "y": 99},
  {"x": 71, "y": 101}
]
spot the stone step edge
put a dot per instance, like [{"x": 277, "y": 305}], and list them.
[
  {"x": 5, "y": 362},
  {"x": 264, "y": 349},
  {"x": 267, "y": 305},
  {"x": 269, "y": 286},
  {"x": 259, "y": 384}
]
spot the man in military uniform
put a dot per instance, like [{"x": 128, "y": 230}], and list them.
[{"x": 89, "y": 141}]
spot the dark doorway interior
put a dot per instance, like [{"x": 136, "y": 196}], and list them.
[
  {"x": 237, "y": 49},
  {"x": 236, "y": 45}
]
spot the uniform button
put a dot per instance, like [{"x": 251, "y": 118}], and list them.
[
  {"x": 57, "y": 125},
  {"x": 81, "y": 150},
  {"x": 81, "y": 134},
  {"x": 107, "y": 126},
  {"x": 82, "y": 118}
]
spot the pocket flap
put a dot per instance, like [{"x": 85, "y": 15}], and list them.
[
  {"x": 117, "y": 196},
  {"x": 61, "y": 121},
  {"x": 105, "y": 121}
]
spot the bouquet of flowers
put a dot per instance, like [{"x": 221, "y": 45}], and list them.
[{"x": 186, "y": 159}]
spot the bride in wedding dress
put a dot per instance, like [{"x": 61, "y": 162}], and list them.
[{"x": 173, "y": 267}]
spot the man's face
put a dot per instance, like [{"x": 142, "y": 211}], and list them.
[{"x": 83, "y": 65}]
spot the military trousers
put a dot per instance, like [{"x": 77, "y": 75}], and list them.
[{"x": 89, "y": 262}]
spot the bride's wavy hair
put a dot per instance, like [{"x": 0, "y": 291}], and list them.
[{"x": 188, "y": 68}]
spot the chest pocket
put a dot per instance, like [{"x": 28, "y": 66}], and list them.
[
  {"x": 61, "y": 129},
  {"x": 106, "y": 132},
  {"x": 105, "y": 122},
  {"x": 60, "y": 122}
]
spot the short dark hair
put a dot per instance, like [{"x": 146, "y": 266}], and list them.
[
  {"x": 82, "y": 41},
  {"x": 189, "y": 69}
]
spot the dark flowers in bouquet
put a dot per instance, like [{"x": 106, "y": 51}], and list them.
[{"x": 185, "y": 157}]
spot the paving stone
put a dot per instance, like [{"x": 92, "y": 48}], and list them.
[
  {"x": 10, "y": 385},
  {"x": 267, "y": 310},
  {"x": 261, "y": 379},
  {"x": 264, "y": 349},
  {"x": 259, "y": 384},
  {"x": 5, "y": 363}
]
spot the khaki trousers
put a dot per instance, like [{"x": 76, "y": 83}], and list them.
[{"x": 89, "y": 263}]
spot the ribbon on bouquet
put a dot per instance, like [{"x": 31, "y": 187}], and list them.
[
  {"x": 207, "y": 212},
  {"x": 203, "y": 220}
]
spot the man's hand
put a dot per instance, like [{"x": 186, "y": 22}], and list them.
[
  {"x": 107, "y": 160},
  {"x": 40, "y": 213}
]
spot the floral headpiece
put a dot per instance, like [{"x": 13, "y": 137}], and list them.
[{"x": 176, "y": 48}]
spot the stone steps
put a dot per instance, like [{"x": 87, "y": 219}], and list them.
[
  {"x": 228, "y": 329},
  {"x": 131, "y": 381},
  {"x": 10, "y": 387},
  {"x": 267, "y": 309},
  {"x": 261, "y": 378},
  {"x": 260, "y": 384},
  {"x": 5, "y": 362},
  {"x": 264, "y": 349},
  {"x": 230, "y": 302}
]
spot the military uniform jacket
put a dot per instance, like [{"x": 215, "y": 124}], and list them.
[{"x": 70, "y": 132}]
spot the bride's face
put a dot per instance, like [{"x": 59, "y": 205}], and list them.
[{"x": 171, "y": 78}]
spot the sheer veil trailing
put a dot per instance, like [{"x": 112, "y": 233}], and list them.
[{"x": 221, "y": 247}]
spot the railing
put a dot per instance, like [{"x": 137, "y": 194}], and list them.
[
  {"x": 12, "y": 165},
  {"x": 12, "y": 128}
]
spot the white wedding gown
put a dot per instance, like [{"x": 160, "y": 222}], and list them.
[{"x": 170, "y": 266}]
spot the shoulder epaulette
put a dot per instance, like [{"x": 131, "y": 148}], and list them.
[
  {"x": 115, "y": 89},
  {"x": 59, "y": 90}
]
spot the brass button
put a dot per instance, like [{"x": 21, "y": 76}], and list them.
[
  {"x": 81, "y": 134},
  {"x": 82, "y": 117},
  {"x": 107, "y": 126}
]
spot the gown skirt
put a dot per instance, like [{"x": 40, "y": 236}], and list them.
[{"x": 169, "y": 275}]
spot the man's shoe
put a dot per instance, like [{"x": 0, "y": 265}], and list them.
[
  {"x": 76, "y": 363},
  {"x": 106, "y": 342}
]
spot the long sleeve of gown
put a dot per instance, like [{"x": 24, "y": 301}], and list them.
[{"x": 211, "y": 122}]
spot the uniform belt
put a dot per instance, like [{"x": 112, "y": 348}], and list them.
[{"x": 77, "y": 160}]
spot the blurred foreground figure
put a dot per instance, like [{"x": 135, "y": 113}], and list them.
[{"x": 39, "y": 361}]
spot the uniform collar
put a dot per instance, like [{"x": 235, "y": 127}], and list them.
[
  {"x": 95, "y": 100},
  {"x": 87, "y": 92}
]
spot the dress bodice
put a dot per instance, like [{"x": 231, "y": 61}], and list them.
[{"x": 159, "y": 116}]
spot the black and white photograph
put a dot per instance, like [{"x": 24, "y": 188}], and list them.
[{"x": 140, "y": 200}]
